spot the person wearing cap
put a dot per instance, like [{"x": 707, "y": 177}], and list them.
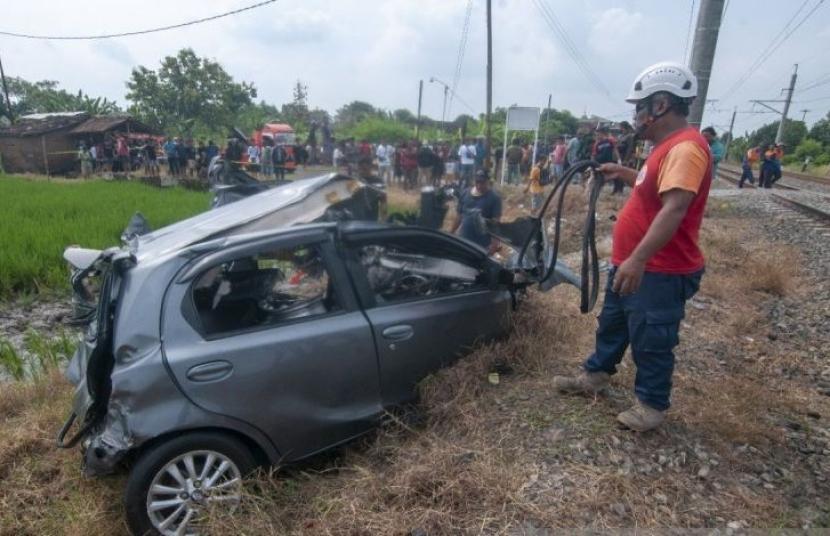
[
  {"x": 657, "y": 263},
  {"x": 475, "y": 207}
]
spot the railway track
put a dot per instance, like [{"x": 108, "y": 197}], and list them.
[
  {"x": 824, "y": 181},
  {"x": 810, "y": 203}
]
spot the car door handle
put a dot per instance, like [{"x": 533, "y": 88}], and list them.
[
  {"x": 398, "y": 333},
  {"x": 210, "y": 372}
]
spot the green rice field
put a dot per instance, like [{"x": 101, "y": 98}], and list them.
[{"x": 40, "y": 218}]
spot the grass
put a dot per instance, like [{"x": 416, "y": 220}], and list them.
[{"x": 41, "y": 218}]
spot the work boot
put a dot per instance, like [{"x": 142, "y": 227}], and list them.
[
  {"x": 587, "y": 382},
  {"x": 642, "y": 418}
]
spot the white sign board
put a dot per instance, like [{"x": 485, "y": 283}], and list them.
[{"x": 523, "y": 118}]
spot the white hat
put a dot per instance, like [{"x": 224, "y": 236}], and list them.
[{"x": 667, "y": 76}]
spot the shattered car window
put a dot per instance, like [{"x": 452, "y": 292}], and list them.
[
  {"x": 396, "y": 273},
  {"x": 267, "y": 289}
]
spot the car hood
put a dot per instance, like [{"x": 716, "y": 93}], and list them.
[{"x": 302, "y": 201}]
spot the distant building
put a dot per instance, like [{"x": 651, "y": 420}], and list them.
[{"x": 47, "y": 143}]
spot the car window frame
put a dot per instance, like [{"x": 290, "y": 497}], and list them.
[{"x": 333, "y": 265}]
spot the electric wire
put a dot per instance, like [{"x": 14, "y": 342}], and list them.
[
  {"x": 462, "y": 47},
  {"x": 774, "y": 44},
  {"x": 137, "y": 32},
  {"x": 559, "y": 30},
  {"x": 689, "y": 34}
]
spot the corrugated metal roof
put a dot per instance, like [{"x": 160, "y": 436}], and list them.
[
  {"x": 104, "y": 123},
  {"x": 43, "y": 124}
]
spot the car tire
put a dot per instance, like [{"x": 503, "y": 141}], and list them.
[{"x": 152, "y": 470}]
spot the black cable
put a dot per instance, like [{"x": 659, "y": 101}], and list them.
[
  {"x": 589, "y": 270},
  {"x": 137, "y": 32}
]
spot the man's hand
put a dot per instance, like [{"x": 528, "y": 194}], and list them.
[
  {"x": 628, "y": 277},
  {"x": 617, "y": 171}
]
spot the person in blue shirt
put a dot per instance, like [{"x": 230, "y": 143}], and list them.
[
  {"x": 477, "y": 205},
  {"x": 715, "y": 146},
  {"x": 171, "y": 151}
]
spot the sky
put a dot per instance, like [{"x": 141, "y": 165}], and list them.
[{"x": 377, "y": 51}]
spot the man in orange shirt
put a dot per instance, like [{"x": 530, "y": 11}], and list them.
[
  {"x": 534, "y": 184},
  {"x": 657, "y": 264}
]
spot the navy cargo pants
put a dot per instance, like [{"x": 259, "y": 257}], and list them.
[{"x": 648, "y": 321}]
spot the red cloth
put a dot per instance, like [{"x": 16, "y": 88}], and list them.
[{"x": 682, "y": 254}]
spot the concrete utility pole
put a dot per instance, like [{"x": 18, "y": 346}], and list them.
[
  {"x": 729, "y": 139},
  {"x": 703, "y": 53},
  {"x": 434, "y": 80},
  {"x": 804, "y": 115},
  {"x": 488, "y": 125},
  {"x": 779, "y": 136},
  {"x": 6, "y": 92},
  {"x": 418, "y": 121},
  {"x": 547, "y": 116}
]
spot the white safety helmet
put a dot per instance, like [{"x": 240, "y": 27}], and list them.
[{"x": 667, "y": 76}]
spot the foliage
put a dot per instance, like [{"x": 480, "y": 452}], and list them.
[
  {"x": 821, "y": 132},
  {"x": 254, "y": 116},
  {"x": 41, "y": 218},
  {"x": 375, "y": 129},
  {"x": 808, "y": 147},
  {"x": 46, "y": 96},
  {"x": 354, "y": 112},
  {"x": 296, "y": 112},
  {"x": 39, "y": 355},
  {"x": 794, "y": 132},
  {"x": 188, "y": 96}
]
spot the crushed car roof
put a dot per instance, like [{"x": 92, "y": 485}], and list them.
[{"x": 302, "y": 201}]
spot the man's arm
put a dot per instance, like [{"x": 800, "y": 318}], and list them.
[
  {"x": 617, "y": 171},
  {"x": 630, "y": 273}
]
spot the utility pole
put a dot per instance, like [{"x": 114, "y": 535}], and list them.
[
  {"x": 547, "y": 116},
  {"x": 420, "y": 98},
  {"x": 804, "y": 115},
  {"x": 6, "y": 92},
  {"x": 729, "y": 139},
  {"x": 703, "y": 53},
  {"x": 433, "y": 80},
  {"x": 488, "y": 125},
  {"x": 779, "y": 136}
]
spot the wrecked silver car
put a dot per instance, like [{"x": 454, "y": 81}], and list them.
[{"x": 263, "y": 332}]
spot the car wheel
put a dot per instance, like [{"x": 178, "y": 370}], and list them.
[{"x": 175, "y": 481}]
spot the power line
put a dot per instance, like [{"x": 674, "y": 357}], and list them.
[
  {"x": 773, "y": 46},
  {"x": 137, "y": 32},
  {"x": 462, "y": 47},
  {"x": 689, "y": 34},
  {"x": 823, "y": 80},
  {"x": 560, "y": 32}
]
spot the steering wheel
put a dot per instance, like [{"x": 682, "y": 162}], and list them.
[{"x": 408, "y": 284}]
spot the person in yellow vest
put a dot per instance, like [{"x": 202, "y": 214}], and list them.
[{"x": 534, "y": 183}]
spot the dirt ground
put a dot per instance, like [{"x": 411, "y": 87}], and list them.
[{"x": 746, "y": 445}]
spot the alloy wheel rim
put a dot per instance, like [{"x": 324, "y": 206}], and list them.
[{"x": 188, "y": 485}]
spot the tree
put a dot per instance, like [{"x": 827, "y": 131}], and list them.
[
  {"x": 402, "y": 115},
  {"x": 354, "y": 112},
  {"x": 295, "y": 113},
  {"x": 794, "y": 132},
  {"x": 188, "y": 95},
  {"x": 821, "y": 132},
  {"x": 46, "y": 96},
  {"x": 375, "y": 129}
]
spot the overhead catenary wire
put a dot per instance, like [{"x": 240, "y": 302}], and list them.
[
  {"x": 137, "y": 32},
  {"x": 774, "y": 44},
  {"x": 689, "y": 33},
  {"x": 559, "y": 30},
  {"x": 462, "y": 48}
]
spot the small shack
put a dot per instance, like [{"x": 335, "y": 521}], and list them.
[
  {"x": 48, "y": 143},
  {"x": 41, "y": 143}
]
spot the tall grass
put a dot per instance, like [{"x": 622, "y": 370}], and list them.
[
  {"x": 39, "y": 354},
  {"x": 40, "y": 218}
]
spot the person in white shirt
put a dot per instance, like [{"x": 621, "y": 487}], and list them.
[
  {"x": 384, "y": 154},
  {"x": 467, "y": 158}
]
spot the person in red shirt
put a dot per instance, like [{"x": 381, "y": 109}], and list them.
[{"x": 657, "y": 263}]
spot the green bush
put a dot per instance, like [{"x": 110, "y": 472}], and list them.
[
  {"x": 376, "y": 129},
  {"x": 41, "y": 218},
  {"x": 808, "y": 147},
  {"x": 822, "y": 159}
]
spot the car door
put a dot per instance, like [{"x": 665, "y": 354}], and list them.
[
  {"x": 429, "y": 299},
  {"x": 270, "y": 332}
]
